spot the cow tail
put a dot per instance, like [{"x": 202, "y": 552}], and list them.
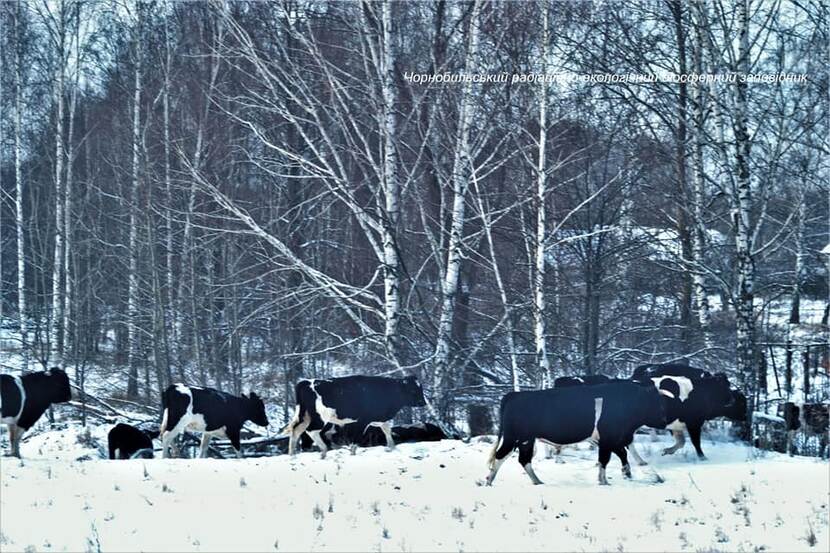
[
  {"x": 165, "y": 413},
  {"x": 491, "y": 460},
  {"x": 298, "y": 410}
]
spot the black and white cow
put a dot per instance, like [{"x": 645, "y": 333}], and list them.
[
  {"x": 209, "y": 411},
  {"x": 811, "y": 418},
  {"x": 698, "y": 396},
  {"x": 23, "y": 399},
  {"x": 606, "y": 413},
  {"x": 364, "y": 400},
  {"x": 125, "y": 441}
]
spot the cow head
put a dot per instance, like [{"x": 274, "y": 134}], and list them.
[
  {"x": 653, "y": 403},
  {"x": 57, "y": 385},
  {"x": 412, "y": 392},
  {"x": 256, "y": 409},
  {"x": 736, "y": 408}
]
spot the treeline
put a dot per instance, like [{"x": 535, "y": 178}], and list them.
[{"x": 246, "y": 193}]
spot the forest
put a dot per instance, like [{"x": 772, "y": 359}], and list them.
[{"x": 241, "y": 194}]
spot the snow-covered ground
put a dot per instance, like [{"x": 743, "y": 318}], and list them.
[{"x": 420, "y": 497}]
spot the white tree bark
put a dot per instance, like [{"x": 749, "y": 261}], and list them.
[
  {"x": 698, "y": 186},
  {"x": 172, "y": 314},
  {"x": 539, "y": 328},
  {"x": 18, "y": 204},
  {"x": 462, "y": 166},
  {"x": 70, "y": 164},
  {"x": 742, "y": 208},
  {"x": 56, "y": 354},
  {"x": 132, "y": 293},
  {"x": 391, "y": 189}
]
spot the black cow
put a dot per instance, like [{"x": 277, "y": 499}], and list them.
[
  {"x": 23, "y": 399},
  {"x": 607, "y": 413},
  {"x": 698, "y": 396},
  {"x": 209, "y": 411},
  {"x": 364, "y": 400},
  {"x": 128, "y": 442},
  {"x": 812, "y": 418},
  {"x": 361, "y": 436},
  {"x": 590, "y": 379}
]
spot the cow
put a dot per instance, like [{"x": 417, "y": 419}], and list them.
[
  {"x": 592, "y": 380},
  {"x": 125, "y": 441},
  {"x": 23, "y": 399},
  {"x": 812, "y": 418},
  {"x": 606, "y": 413},
  {"x": 699, "y": 396},
  {"x": 209, "y": 411},
  {"x": 365, "y": 400}
]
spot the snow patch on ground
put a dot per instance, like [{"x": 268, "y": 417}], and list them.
[{"x": 420, "y": 497}]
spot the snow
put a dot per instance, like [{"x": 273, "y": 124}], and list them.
[{"x": 419, "y": 497}]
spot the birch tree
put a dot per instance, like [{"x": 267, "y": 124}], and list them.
[
  {"x": 539, "y": 326},
  {"x": 462, "y": 166},
  {"x": 19, "y": 223},
  {"x": 133, "y": 245}
]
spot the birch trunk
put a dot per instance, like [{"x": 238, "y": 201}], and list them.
[
  {"x": 132, "y": 294},
  {"x": 742, "y": 207},
  {"x": 391, "y": 270},
  {"x": 172, "y": 314},
  {"x": 56, "y": 353},
  {"x": 699, "y": 228},
  {"x": 18, "y": 204},
  {"x": 460, "y": 182},
  {"x": 539, "y": 329},
  {"x": 69, "y": 343}
]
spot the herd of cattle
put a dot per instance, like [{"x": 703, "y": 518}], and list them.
[{"x": 360, "y": 409}]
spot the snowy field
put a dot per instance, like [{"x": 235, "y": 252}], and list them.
[{"x": 420, "y": 497}]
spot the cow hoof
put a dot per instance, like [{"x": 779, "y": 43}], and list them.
[
  {"x": 559, "y": 461},
  {"x": 702, "y": 457},
  {"x": 642, "y": 464},
  {"x": 605, "y": 483},
  {"x": 626, "y": 470},
  {"x": 668, "y": 452}
]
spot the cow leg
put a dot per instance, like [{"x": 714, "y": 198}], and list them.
[
  {"x": 636, "y": 455},
  {"x": 318, "y": 441},
  {"x": 234, "y": 435},
  {"x": 623, "y": 455},
  {"x": 203, "y": 452},
  {"x": 679, "y": 441},
  {"x": 790, "y": 440},
  {"x": 604, "y": 457},
  {"x": 15, "y": 440},
  {"x": 386, "y": 428},
  {"x": 297, "y": 431},
  {"x": 694, "y": 434},
  {"x": 497, "y": 459},
  {"x": 525, "y": 458},
  {"x": 12, "y": 430},
  {"x": 169, "y": 437}
]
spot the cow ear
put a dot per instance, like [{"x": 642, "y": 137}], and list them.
[{"x": 253, "y": 395}]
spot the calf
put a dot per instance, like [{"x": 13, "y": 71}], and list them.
[
  {"x": 812, "y": 418},
  {"x": 128, "y": 442},
  {"x": 607, "y": 413},
  {"x": 209, "y": 411},
  {"x": 353, "y": 433},
  {"x": 364, "y": 400},
  {"x": 23, "y": 399},
  {"x": 698, "y": 396}
]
